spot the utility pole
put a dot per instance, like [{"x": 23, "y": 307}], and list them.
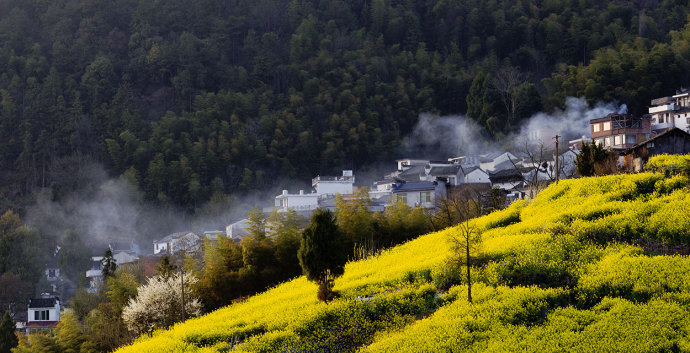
[{"x": 556, "y": 157}]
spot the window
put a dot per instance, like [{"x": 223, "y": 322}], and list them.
[
  {"x": 44, "y": 314},
  {"x": 607, "y": 126},
  {"x": 687, "y": 121},
  {"x": 595, "y": 127},
  {"x": 661, "y": 119},
  {"x": 630, "y": 139},
  {"x": 425, "y": 197},
  {"x": 36, "y": 315},
  {"x": 607, "y": 142},
  {"x": 617, "y": 140},
  {"x": 402, "y": 198},
  {"x": 451, "y": 180}
]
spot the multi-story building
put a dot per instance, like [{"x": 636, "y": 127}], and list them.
[
  {"x": 669, "y": 112},
  {"x": 620, "y": 131}
]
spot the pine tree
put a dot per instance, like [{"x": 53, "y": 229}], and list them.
[
  {"x": 8, "y": 339},
  {"x": 109, "y": 263},
  {"x": 165, "y": 268}
]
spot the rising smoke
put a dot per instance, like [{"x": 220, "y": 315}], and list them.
[
  {"x": 107, "y": 210},
  {"x": 440, "y": 137}
]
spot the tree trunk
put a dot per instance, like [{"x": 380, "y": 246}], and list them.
[{"x": 469, "y": 281}]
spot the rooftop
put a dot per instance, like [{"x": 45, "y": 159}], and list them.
[
  {"x": 424, "y": 185},
  {"x": 43, "y": 302}
]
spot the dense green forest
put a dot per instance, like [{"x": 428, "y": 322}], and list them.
[{"x": 195, "y": 101}]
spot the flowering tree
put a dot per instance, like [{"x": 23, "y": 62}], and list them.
[{"x": 159, "y": 303}]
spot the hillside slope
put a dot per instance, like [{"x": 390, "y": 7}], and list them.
[{"x": 558, "y": 274}]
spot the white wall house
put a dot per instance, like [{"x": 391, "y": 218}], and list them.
[
  {"x": 669, "y": 112},
  {"x": 324, "y": 186},
  {"x": 181, "y": 241},
  {"x": 43, "y": 314},
  {"x": 476, "y": 176},
  {"x": 328, "y": 185},
  {"x": 422, "y": 194},
  {"x": 237, "y": 230},
  {"x": 298, "y": 202}
]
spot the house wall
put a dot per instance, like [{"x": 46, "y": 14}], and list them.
[
  {"x": 334, "y": 187},
  {"x": 506, "y": 185},
  {"x": 297, "y": 202},
  {"x": 673, "y": 143},
  {"x": 160, "y": 248},
  {"x": 53, "y": 314},
  {"x": 238, "y": 229},
  {"x": 123, "y": 257},
  {"x": 477, "y": 176}
]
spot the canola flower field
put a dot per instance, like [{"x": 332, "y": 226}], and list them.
[{"x": 590, "y": 264}]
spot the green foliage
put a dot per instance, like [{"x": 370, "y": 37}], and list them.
[
  {"x": 227, "y": 100},
  {"x": 165, "y": 268},
  {"x": 109, "y": 263},
  {"x": 23, "y": 254},
  {"x": 321, "y": 253},
  {"x": 590, "y": 156},
  {"x": 8, "y": 338},
  {"x": 69, "y": 333}
]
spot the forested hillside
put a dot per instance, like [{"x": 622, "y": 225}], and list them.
[{"x": 194, "y": 101}]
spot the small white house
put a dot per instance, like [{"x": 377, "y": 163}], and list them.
[
  {"x": 475, "y": 175},
  {"x": 238, "y": 230},
  {"x": 298, "y": 202},
  {"x": 422, "y": 194},
  {"x": 181, "y": 241},
  {"x": 43, "y": 314},
  {"x": 329, "y": 185}
]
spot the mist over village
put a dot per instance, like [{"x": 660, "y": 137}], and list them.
[{"x": 344, "y": 176}]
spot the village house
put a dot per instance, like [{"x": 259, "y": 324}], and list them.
[
  {"x": 670, "y": 112},
  {"x": 324, "y": 187},
  {"x": 498, "y": 161},
  {"x": 475, "y": 175},
  {"x": 620, "y": 131},
  {"x": 672, "y": 141},
  {"x": 238, "y": 230},
  {"x": 180, "y": 241},
  {"x": 416, "y": 194},
  {"x": 43, "y": 314},
  {"x": 123, "y": 253}
]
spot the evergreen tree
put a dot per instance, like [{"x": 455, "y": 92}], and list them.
[
  {"x": 165, "y": 268},
  {"x": 257, "y": 223},
  {"x": 8, "y": 339},
  {"x": 322, "y": 252},
  {"x": 109, "y": 264},
  {"x": 591, "y": 155}
]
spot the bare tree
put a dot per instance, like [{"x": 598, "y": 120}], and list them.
[
  {"x": 466, "y": 240},
  {"x": 506, "y": 83}
]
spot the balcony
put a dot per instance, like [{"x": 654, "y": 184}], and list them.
[{"x": 662, "y": 108}]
